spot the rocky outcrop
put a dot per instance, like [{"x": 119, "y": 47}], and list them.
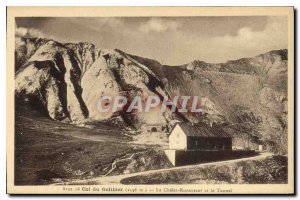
[{"x": 67, "y": 80}]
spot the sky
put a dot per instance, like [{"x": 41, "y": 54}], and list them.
[{"x": 169, "y": 40}]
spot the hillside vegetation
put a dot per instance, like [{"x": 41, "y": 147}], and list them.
[{"x": 271, "y": 170}]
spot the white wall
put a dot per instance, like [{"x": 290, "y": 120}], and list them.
[
  {"x": 171, "y": 154},
  {"x": 177, "y": 139}
]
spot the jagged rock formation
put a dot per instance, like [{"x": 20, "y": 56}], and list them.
[{"x": 66, "y": 81}]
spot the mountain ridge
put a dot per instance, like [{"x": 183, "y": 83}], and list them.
[{"x": 66, "y": 80}]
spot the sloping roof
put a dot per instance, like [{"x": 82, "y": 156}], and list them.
[{"x": 203, "y": 130}]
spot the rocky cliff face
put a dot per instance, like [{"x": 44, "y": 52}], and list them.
[{"x": 66, "y": 81}]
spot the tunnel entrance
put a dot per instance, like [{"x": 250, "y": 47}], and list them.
[{"x": 153, "y": 129}]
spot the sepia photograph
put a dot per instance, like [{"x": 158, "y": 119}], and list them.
[{"x": 159, "y": 100}]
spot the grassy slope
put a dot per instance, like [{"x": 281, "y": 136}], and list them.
[
  {"x": 48, "y": 151},
  {"x": 42, "y": 156},
  {"x": 238, "y": 89},
  {"x": 271, "y": 170},
  {"x": 45, "y": 149}
]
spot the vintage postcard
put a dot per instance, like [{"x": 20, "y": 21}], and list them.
[{"x": 150, "y": 100}]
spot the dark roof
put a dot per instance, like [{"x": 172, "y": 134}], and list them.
[{"x": 203, "y": 130}]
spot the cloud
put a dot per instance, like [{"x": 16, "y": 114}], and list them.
[
  {"x": 246, "y": 42},
  {"x": 98, "y": 23},
  {"x": 158, "y": 25},
  {"x": 29, "y": 32},
  {"x": 170, "y": 40},
  {"x": 250, "y": 42},
  {"x": 112, "y": 21}
]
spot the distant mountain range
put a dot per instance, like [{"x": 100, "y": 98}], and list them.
[{"x": 65, "y": 81}]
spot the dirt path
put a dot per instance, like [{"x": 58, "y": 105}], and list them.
[{"x": 115, "y": 180}]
